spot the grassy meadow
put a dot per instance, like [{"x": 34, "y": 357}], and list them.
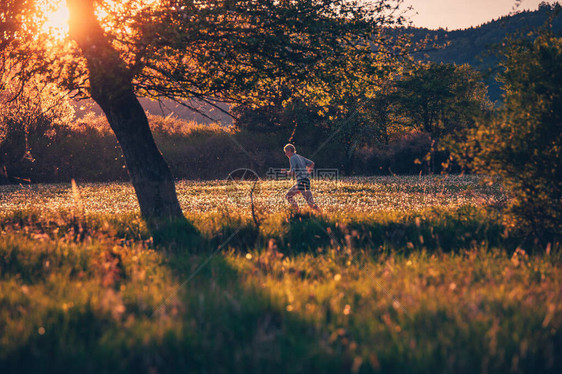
[{"x": 396, "y": 275}]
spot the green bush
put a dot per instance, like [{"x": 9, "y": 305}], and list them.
[{"x": 522, "y": 144}]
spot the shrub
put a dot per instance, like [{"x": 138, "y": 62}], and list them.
[
  {"x": 30, "y": 116},
  {"x": 522, "y": 144},
  {"x": 403, "y": 156}
]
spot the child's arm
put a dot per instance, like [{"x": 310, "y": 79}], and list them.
[{"x": 309, "y": 165}]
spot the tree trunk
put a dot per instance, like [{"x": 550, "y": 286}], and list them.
[
  {"x": 348, "y": 163},
  {"x": 111, "y": 87},
  {"x": 148, "y": 170}
]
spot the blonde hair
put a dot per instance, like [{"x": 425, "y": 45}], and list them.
[{"x": 290, "y": 147}]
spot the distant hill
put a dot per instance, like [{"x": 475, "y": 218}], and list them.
[{"x": 472, "y": 45}]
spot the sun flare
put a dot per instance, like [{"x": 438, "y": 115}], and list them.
[{"x": 56, "y": 16}]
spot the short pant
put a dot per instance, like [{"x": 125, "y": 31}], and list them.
[{"x": 303, "y": 184}]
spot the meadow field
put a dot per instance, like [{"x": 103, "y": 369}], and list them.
[{"x": 396, "y": 275}]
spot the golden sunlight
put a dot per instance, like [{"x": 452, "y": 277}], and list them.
[
  {"x": 56, "y": 18},
  {"x": 107, "y": 11},
  {"x": 54, "y": 15}
]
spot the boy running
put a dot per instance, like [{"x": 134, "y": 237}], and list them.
[{"x": 301, "y": 168}]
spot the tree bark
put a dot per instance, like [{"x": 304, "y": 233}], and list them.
[
  {"x": 148, "y": 170},
  {"x": 112, "y": 88}
]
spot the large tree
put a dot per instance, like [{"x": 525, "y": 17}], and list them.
[{"x": 215, "y": 51}]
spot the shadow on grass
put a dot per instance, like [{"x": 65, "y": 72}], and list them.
[
  {"x": 432, "y": 231},
  {"x": 234, "y": 326}
]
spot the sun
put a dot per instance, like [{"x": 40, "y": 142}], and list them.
[
  {"x": 53, "y": 18},
  {"x": 56, "y": 16}
]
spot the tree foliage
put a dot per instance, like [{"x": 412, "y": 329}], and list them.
[
  {"x": 225, "y": 50},
  {"x": 441, "y": 99}
]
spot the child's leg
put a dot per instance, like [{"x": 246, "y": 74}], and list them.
[
  {"x": 291, "y": 196},
  {"x": 310, "y": 200}
]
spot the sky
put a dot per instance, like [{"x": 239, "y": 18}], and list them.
[{"x": 460, "y": 14}]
